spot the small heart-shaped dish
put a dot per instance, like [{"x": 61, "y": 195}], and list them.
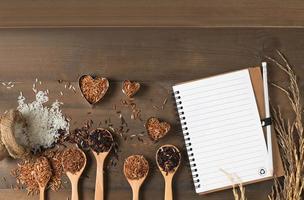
[
  {"x": 130, "y": 88},
  {"x": 93, "y": 89},
  {"x": 157, "y": 129}
]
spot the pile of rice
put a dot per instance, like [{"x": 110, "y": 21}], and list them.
[{"x": 44, "y": 125}]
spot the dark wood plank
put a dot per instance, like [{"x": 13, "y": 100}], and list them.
[
  {"x": 190, "y": 13},
  {"x": 158, "y": 58},
  {"x": 154, "y": 54}
]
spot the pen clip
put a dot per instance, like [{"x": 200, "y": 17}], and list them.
[{"x": 266, "y": 122}]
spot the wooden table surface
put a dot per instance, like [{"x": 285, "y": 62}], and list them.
[
  {"x": 185, "y": 13},
  {"x": 157, "y": 58}
]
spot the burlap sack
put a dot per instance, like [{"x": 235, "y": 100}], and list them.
[
  {"x": 7, "y": 134},
  {"x": 3, "y": 151}
]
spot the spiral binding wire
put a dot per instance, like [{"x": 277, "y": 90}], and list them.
[{"x": 187, "y": 139}]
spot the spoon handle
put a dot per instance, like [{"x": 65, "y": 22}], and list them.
[
  {"x": 168, "y": 189},
  {"x": 75, "y": 190},
  {"x": 135, "y": 191},
  {"x": 41, "y": 193},
  {"x": 99, "y": 191}
]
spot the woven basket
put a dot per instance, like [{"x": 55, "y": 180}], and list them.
[{"x": 7, "y": 127}]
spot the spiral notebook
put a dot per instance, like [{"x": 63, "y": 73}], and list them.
[{"x": 221, "y": 123}]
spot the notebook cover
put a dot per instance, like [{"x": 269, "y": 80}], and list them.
[{"x": 258, "y": 87}]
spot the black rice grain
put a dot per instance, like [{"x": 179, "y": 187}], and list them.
[
  {"x": 168, "y": 158},
  {"x": 100, "y": 140}
]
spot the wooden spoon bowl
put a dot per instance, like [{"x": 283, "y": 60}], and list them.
[{"x": 168, "y": 176}]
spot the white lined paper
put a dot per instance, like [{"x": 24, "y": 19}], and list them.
[{"x": 224, "y": 127}]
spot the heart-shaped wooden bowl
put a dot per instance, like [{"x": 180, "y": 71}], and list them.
[
  {"x": 156, "y": 129},
  {"x": 93, "y": 89},
  {"x": 130, "y": 88}
]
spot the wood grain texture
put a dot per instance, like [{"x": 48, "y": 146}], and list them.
[
  {"x": 184, "y": 13},
  {"x": 157, "y": 58}
]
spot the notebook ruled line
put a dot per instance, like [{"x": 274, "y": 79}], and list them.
[
  {"x": 225, "y": 122},
  {"x": 231, "y": 119},
  {"x": 216, "y": 160},
  {"x": 215, "y": 115},
  {"x": 204, "y": 95},
  {"x": 250, "y": 164},
  {"x": 200, "y": 85},
  {"x": 236, "y": 106},
  {"x": 231, "y": 132},
  {"x": 232, "y": 149},
  {"x": 219, "y": 140},
  {"x": 220, "y": 101},
  {"x": 200, "y": 132},
  {"x": 244, "y": 177},
  {"x": 230, "y": 161},
  {"x": 224, "y": 125}
]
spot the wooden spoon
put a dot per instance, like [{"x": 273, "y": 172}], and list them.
[
  {"x": 74, "y": 178},
  {"x": 42, "y": 173},
  {"x": 99, "y": 188},
  {"x": 100, "y": 158},
  {"x": 42, "y": 190},
  {"x": 135, "y": 184},
  {"x": 168, "y": 176}
]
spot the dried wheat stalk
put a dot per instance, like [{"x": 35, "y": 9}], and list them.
[
  {"x": 239, "y": 195},
  {"x": 291, "y": 138}
]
